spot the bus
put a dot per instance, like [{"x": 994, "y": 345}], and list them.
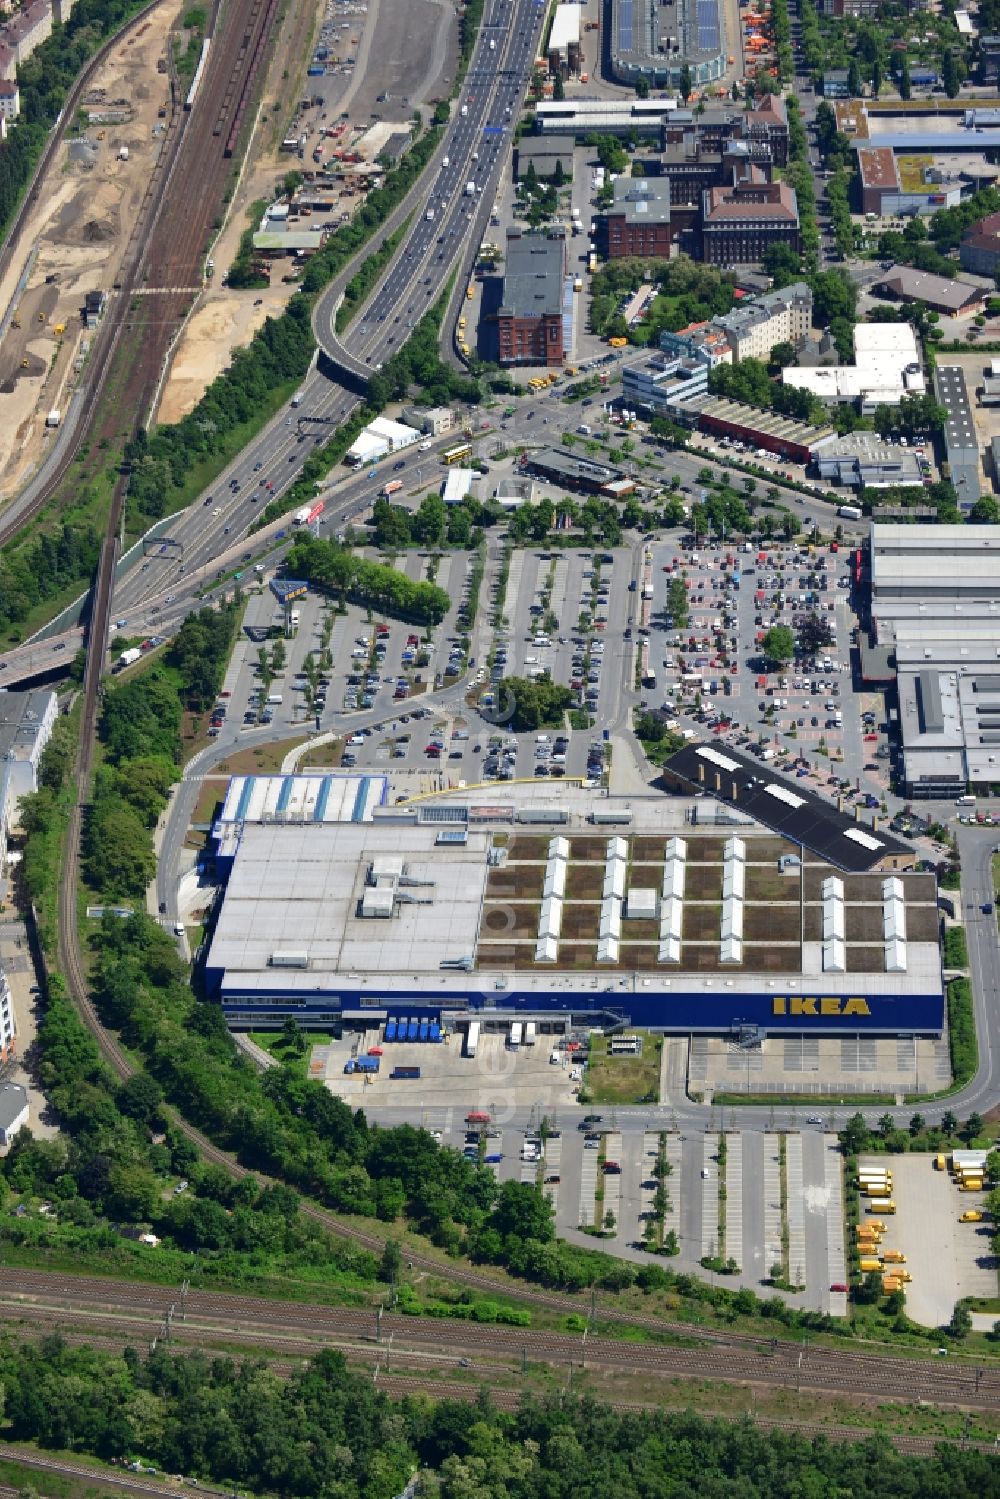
[{"x": 458, "y": 453}]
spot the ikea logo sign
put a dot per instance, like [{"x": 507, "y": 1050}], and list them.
[{"x": 805, "y": 1005}]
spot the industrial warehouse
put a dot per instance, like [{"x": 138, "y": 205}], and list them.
[{"x": 569, "y": 911}]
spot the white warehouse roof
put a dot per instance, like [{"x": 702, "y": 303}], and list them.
[
  {"x": 565, "y": 27},
  {"x": 886, "y": 367}
]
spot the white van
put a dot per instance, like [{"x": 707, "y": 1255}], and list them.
[{"x": 274, "y": 698}]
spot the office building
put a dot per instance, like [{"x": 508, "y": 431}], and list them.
[
  {"x": 660, "y": 382},
  {"x": 861, "y": 460},
  {"x": 530, "y": 315},
  {"x": 740, "y": 223},
  {"x": 638, "y": 221}
]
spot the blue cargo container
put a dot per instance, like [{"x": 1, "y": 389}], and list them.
[
  {"x": 405, "y": 1072},
  {"x": 390, "y": 1030},
  {"x": 366, "y": 1064},
  {"x": 435, "y": 1031},
  {"x": 424, "y": 1030},
  {"x": 411, "y": 1031},
  {"x": 315, "y": 72}
]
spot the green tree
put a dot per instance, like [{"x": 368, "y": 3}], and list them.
[
  {"x": 391, "y": 1264},
  {"x": 985, "y": 511},
  {"x": 905, "y": 87},
  {"x": 536, "y": 704},
  {"x": 951, "y": 73},
  {"x": 854, "y": 79},
  {"x": 961, "y": 1318},
  {"x": 779, "y": 644},
  {"x": 684, "y": 83},
  {"x": 917, "y": 1123}
]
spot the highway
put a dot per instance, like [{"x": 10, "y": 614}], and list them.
[{"x": 474, "y": 150}]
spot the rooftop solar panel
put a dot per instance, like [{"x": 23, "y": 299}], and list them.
[
  {"x": 626, "y": 24},
  {"x": 708, "y": 25}
]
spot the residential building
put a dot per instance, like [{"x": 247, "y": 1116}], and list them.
[
  {"x": 10, "y": 99},
  {"x": 953, "y": 298},
  {"x": 13, "y": 1111},
  {"x": 887, "y": 367},
  {"x": 658, "y": 383},
  {"x": 756, "y": 325},
  {"x": 27, "y": 29},
  {"x": 701, "y": 343},
  {"x": 547, "y": 154},
  {"x": 740, "y": 223},
  {"x": 26, "y": 720},
  {"x": 960, "y": 441},
  {"x": 530, "y": 315},
  {"x": 638, "y": 221},
  {"x": 8, "y": 1029},
  {"x": 979, "y": 251},
  {"x": 653, "y": 41}
]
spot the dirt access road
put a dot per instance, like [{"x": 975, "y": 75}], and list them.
[{"x": 75, "y": 241}]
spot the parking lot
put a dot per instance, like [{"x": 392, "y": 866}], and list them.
[
  {"x": 947, "y": 1259},
  {"x": 714, "y": 667}
]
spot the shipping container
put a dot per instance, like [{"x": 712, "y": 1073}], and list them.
[
  {"x": 435, "y": 1031},
  {"x": 412, "y": 1030},
  {"x": 424, "y": 1030},
  {"x": 390, "y": 1030},
  {"x": 477, "y": 1116},
  {"x": 400, "y": 1073},
  {"x": 472, "y": 1039}
]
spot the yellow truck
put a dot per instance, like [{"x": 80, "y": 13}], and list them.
[
  {"x": 869, "y": 1263},
  {"x": 877, "y": 1193},
  {"x": 940, "y": 1163},
  {"x": 971, "y": 1184},
  {"x": 881, "y": 1207},
  {"x": 894, "y": 1257},
  {"x": 972, "y": 1216},
  {"x": 618, "y": 343}
]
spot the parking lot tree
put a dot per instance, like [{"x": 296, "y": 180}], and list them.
[
  {"x": 430, "y": 523},
  {"x": 537, "y": 704},
  {"x": 779, "y": 644},
  {"x": 677, "y": 602},
  {"x": 814, "y": 634}
]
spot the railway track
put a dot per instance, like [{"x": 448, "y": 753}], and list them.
[
  {"x": 304, "y": 1327},
  {"x": 122, "y": 1333}
]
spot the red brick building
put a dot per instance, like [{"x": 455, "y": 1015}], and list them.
[
  {"x": 739, "y": 223},
  {"x": 530, "y": 315},
  {"x": 638, "y": 222}
]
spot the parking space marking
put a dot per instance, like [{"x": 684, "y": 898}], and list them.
[
  {"x": 673, "y": 1219},
  {"x": 612, "y": 1180},
  {"x": 588, "y": 1186},
  {"x": 836, "y": 1255},
  {"x": 709, "y": 1197},
  {"x": 734, "y": 1198},
  {"x": 796, "y": 1209},
  {"x": 772, "y": 1203},
  {"x": 553, "y": 1167}
]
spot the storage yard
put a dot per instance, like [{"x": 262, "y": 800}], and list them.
[{"x": 936, "y": 1256}]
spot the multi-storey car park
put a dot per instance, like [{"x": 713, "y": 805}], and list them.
[
  {"x": 656, "y": 41},
  {"x": 681, "y": 913}
]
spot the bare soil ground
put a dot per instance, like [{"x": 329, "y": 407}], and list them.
[{"x": 75, "y": 242}]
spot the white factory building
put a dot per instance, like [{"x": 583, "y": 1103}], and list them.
[{"x": 887, "y": 367}]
